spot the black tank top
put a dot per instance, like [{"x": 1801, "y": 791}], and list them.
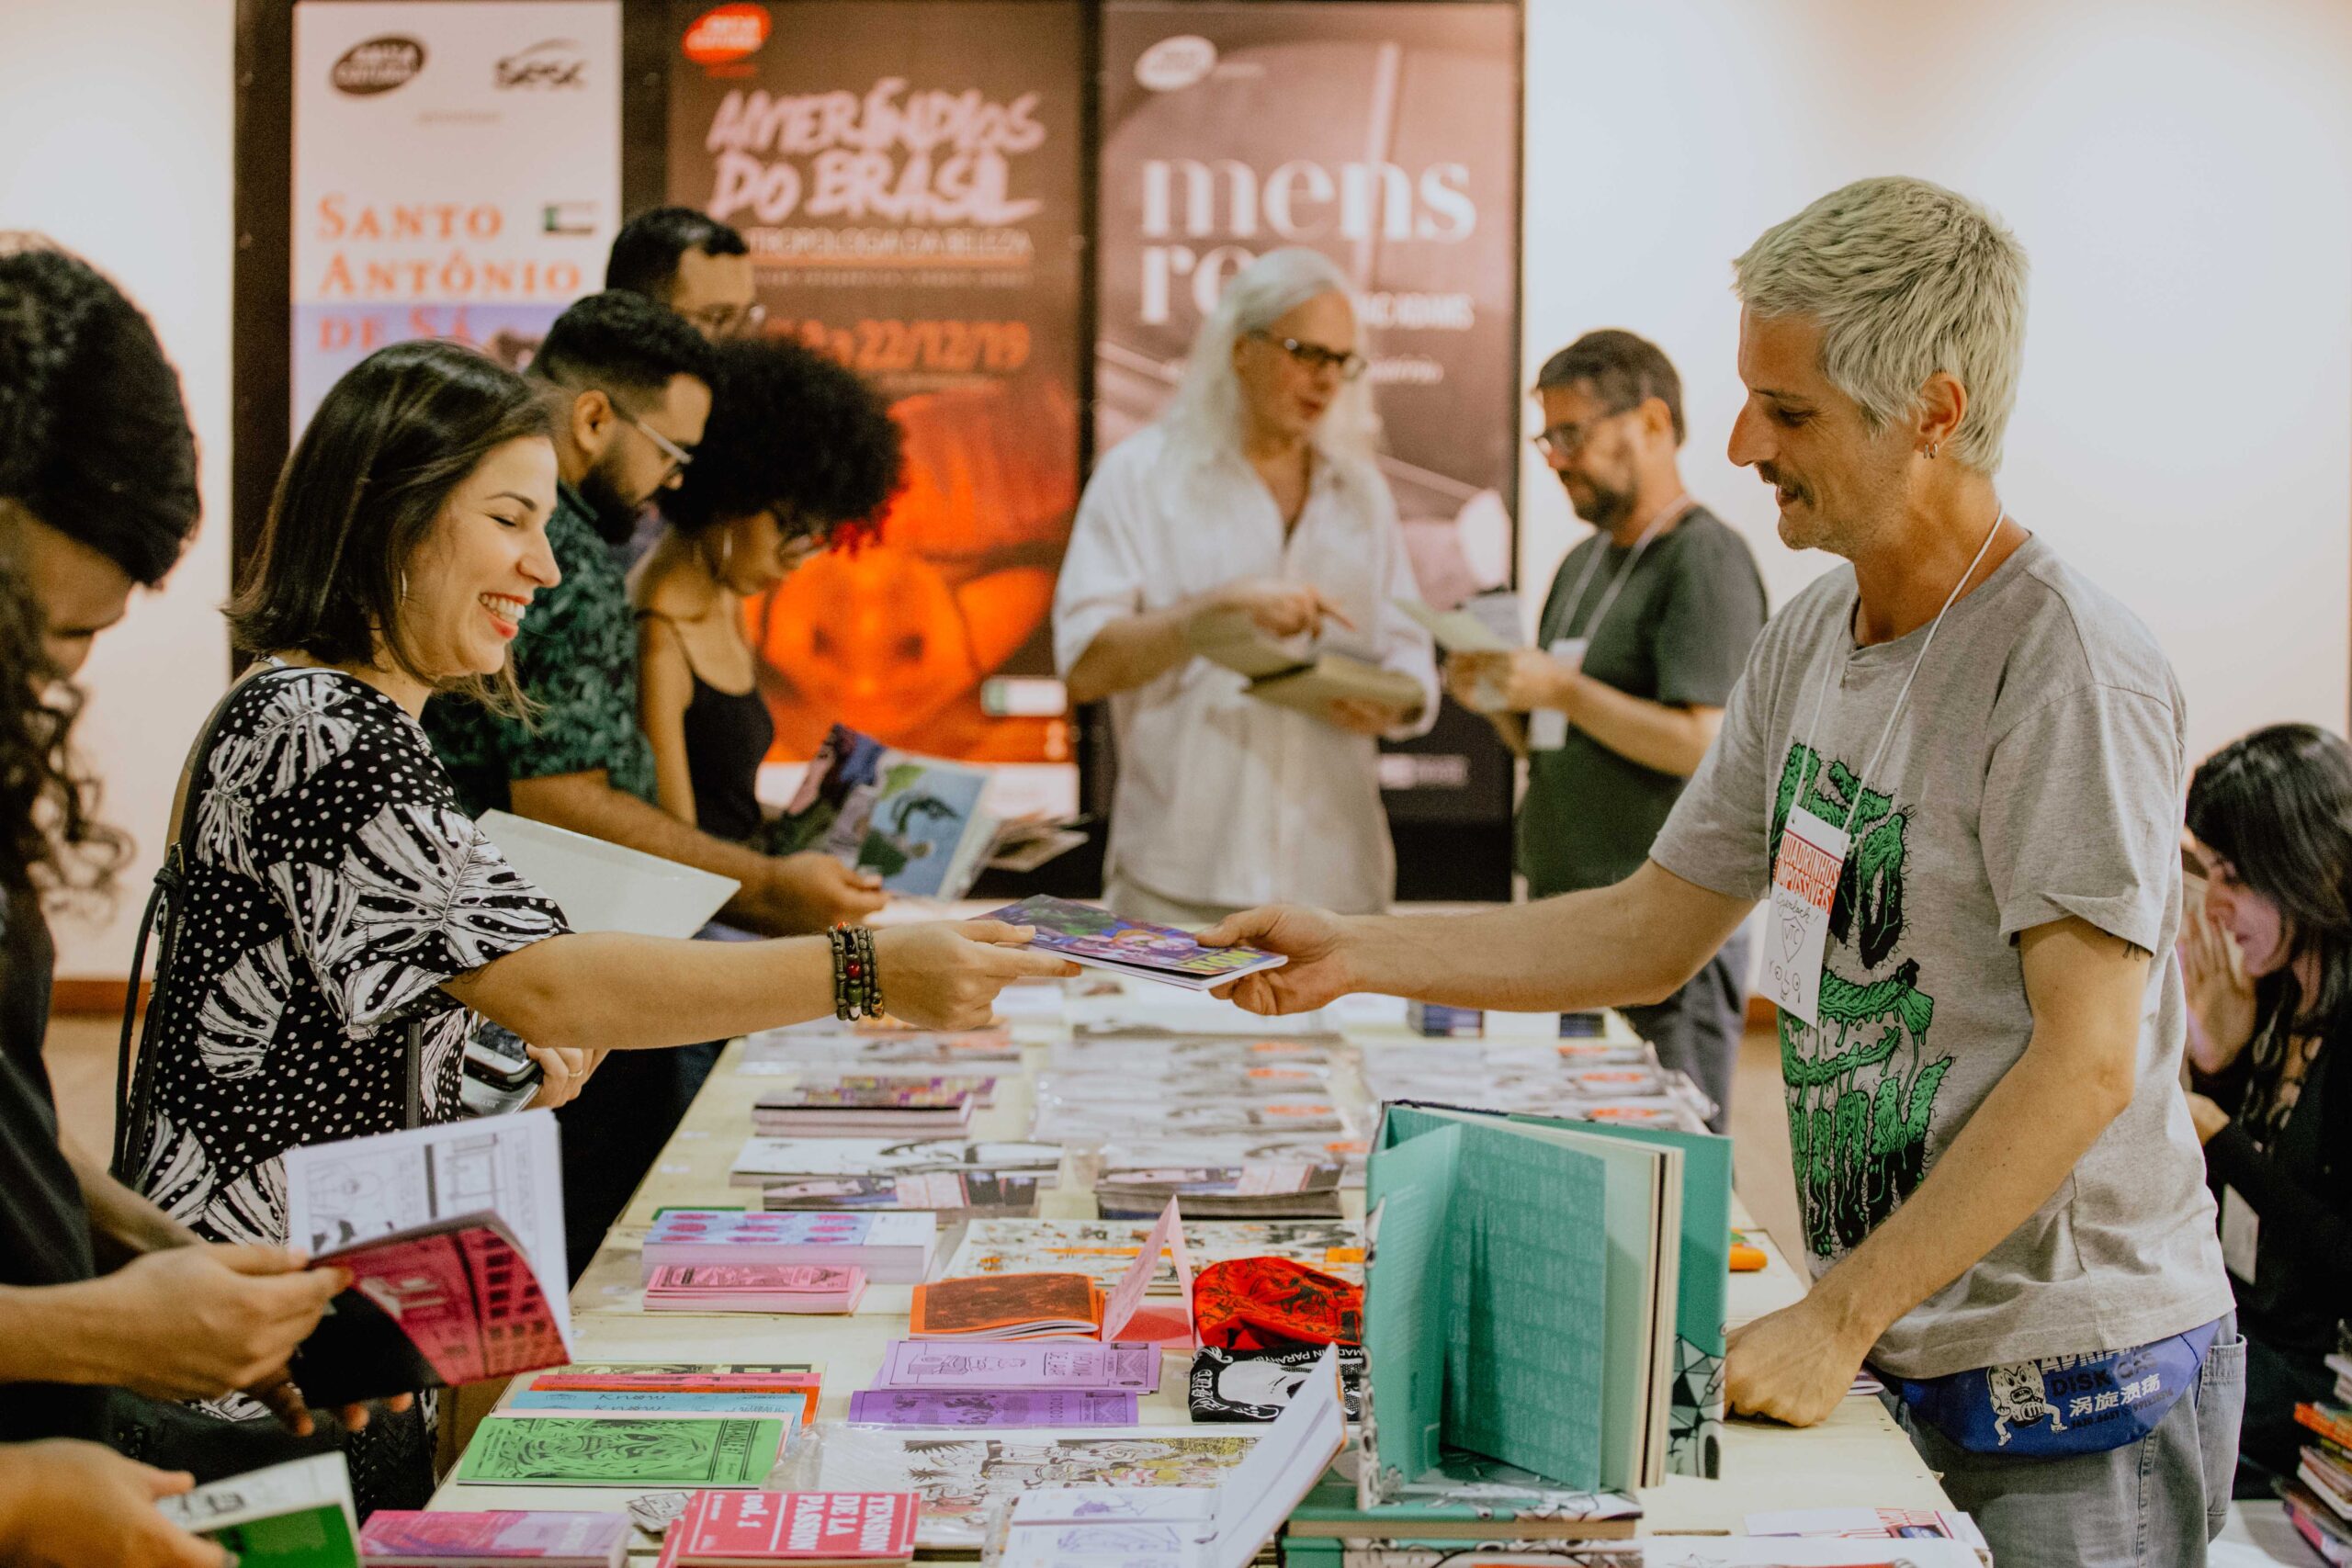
[{"x": 727, "y": 737}]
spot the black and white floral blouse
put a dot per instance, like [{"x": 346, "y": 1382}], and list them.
[{"x": 333, "y": 885}]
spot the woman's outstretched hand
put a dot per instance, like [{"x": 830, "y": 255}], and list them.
[{"x": 945, "y": 975}]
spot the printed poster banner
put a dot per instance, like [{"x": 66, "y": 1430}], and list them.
[
  {"x": 1386, "y": 136},
  {"x": 456, "y": 174},
  {"x": 908, "y": 175}
]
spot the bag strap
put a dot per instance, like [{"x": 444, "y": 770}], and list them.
[{"x": 135, "y": 1091}]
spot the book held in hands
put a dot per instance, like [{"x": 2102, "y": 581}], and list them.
[{"x": 1087, "y": 935}]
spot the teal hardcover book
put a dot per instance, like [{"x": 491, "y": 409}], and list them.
[
  {"x": 1695, "y": 1418},
  {"x": 1551, "y": 1302}
]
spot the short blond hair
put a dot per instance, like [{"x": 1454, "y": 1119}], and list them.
[{"x": 1905, "y": 278}]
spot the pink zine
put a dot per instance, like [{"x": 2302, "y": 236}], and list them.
[{"x": 1119, "y": 1306}]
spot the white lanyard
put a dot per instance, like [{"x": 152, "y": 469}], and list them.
[
  {"x": 1812, "y": 858},
  {"x": 1680, "y": 505}
]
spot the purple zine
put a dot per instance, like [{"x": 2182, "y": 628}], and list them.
[
  {"x": 1019, "y": 1364},
  {"x": 992, "y": 1407}
]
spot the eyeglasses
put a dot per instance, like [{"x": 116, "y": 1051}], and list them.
[
  {"x": 1317, "y": 358},
  {"x": 1564, "y": 441},
  {"x": 679, "y": 456},
  {"x": 728, "y": 321}
]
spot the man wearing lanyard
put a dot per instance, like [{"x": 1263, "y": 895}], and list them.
[
  {"x": 1642, "y": 640},
  {"x": 1955, "y": 767}
]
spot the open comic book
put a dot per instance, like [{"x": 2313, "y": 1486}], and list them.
[
  {"x": 1099, "y": 939},
  {"x": 454, "y": 1235},
  {"x": 1298, "y": 673}
]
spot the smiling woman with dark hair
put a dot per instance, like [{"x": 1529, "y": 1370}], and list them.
[
  {"x": 2268, "y": 963},
  {"x": 339, "y": 919}
]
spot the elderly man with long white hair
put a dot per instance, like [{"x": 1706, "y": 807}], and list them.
[
  {"x": 1255, "y": 495},
  {"x": 1954, "y": 768}
]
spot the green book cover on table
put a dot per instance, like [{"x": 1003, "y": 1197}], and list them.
[
  {"x": 570, "y": 1450},
  {"x": 1549, "y": 1298}
]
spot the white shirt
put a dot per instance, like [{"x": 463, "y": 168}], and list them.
[{"x": 1222, "y": 798}]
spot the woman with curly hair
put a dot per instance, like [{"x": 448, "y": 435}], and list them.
[{"x": 799, "y": 454}]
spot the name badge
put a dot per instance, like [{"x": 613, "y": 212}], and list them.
[
  {"x": 1548, "y": 728},
  {"x": 1805, "y": 882}
]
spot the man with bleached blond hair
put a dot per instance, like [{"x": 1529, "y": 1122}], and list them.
[{"x": 1954, "y": 768}]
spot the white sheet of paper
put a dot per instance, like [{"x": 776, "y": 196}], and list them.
[
  {"x": 2241, "y": 1234},
  {"x": 1120, "y": 1305},
  {"x": 608, "y": 888},
  {"x": 337, "y": 1195},
  {"x": 1548, "y": 728},
  {"x": 1281, "y": 1468},
  {"x": 1456, "y": 631}
]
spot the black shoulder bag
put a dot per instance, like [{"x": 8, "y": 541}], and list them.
[{"x": 135, "y": 1072}]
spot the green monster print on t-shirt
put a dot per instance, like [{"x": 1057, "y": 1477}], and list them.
[{"x": 1861, "y": 1087}]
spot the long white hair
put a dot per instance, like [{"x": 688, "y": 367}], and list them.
[{"x": 1205, "y": 418}]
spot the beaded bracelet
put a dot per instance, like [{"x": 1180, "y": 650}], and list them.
[{"x": 857, "y": 987}]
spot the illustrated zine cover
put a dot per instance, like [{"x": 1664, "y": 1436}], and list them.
[
  {"x": 1102, "y": 1249},
  {"x": 924, "y": 831},
  {"x": 958, "y": 1477},
  {"x": 567, "y": 1451},
  {"x": 1084, "y": 934}
]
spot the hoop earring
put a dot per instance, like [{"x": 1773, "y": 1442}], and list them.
[
  {"x": 403, "y": 588},
  {"x": 1931, "y": 453}
]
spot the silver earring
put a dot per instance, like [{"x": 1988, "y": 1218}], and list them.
[
  {"x": 403, "y": 588},
  {"x": 1931, "y": 452}
]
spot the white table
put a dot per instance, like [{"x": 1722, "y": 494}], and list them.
[{"x": 1858, "y": 1458}]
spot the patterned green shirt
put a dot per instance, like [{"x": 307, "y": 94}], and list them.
[{"x": 576, "y": 657}]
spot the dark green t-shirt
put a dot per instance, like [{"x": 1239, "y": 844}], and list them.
[
  {"x": 576, "y": 657},
  {"x": 1679, "y": 633}
]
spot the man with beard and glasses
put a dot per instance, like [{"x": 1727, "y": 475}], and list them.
[
  {"x": 629, "y": 383},
  {"x": 1644, "y": 636}
]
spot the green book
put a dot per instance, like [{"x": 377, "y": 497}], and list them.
[
  {"x": 576, "y": 1451},
  {"x": 296, "y": 1515},
  {"x": 1702, "y": 1289},
  {"x": 1558, "y": 1282}
]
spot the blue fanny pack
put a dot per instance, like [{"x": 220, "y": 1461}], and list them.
[{"x": 2060, "y": 1404}]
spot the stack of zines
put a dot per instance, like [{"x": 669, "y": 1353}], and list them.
[
  {"x": 890, "y": 1248},
  {"x": 1258, "y": 1190},
  {"x": 1582, "y": 1081},
  {"x": 948, "y": 1195},
  {"x": 754, "y": 1287},
  {"x": 908, "y": 1106},
  {"x": 813, "y": 1530},
  {"x": 788, "y": 1390},
  {"x": 2319, "y": 1497},
  {"x": 394, "y": 1538},
  {"x": 766, "y": 1162}
]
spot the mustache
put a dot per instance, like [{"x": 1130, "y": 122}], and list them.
[{"x": 1773, "y": 476}]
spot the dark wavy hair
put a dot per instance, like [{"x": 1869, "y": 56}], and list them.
[
  {"x": 2277, "y": 806},
  {"x": 94, "y": 441},
  {"x": 360, "y": 496},
  {"x": 645, "y": 253},
  {"x": 795, "y": 430}
]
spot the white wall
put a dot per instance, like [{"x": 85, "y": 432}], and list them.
[
  {"x": 2177, "y": 172},
  {"x": 115, "y": 140}
]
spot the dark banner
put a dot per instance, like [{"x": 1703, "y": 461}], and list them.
[
  {"x": 908, "y": 175},
  {"x": 1385, "y": 136}
]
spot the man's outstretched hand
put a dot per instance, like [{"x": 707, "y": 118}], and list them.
[{"x": 1315, "y": 943}]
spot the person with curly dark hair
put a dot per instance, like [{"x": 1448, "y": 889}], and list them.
[
  {"x": 799, "y": 454},
  {"x": 107, "y": 1307}
]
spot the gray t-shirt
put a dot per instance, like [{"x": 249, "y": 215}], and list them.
[{"x": 2035, "y": 772}]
